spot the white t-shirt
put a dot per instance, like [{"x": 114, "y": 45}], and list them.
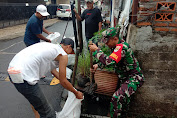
[{"x": 36, "y": 60}]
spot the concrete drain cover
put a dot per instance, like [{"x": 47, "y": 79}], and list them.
[{"x": 3, "y": 76}]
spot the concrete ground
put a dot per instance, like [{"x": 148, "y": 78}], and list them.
[{"x": 19, "y": 30}]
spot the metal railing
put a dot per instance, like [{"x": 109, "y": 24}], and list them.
[{"x": 18, "y": 13}]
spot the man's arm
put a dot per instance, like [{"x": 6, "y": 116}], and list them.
[
  {"x": 100, "y": 20},
  {"x": 103, "y": 58},
  {"x": 78, "y": 17},
  {"x": 63, "y": 60},
  {"x": 100, "y": 25},
  {"x": 47, "y": 32},
  {"x": 42, "y": 37}
]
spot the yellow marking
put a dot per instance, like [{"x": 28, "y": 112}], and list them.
[
  {"x": 54, "y": 81},
  {"x": 7, "y": 79},
  {"x": 114, "y": 56}
]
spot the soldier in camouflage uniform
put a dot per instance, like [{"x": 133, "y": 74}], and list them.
[{"x": 126, "y": 66}]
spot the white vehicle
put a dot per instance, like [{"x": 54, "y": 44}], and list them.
[{"x": 64, "y": 11}]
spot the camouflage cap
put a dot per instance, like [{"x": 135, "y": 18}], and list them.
[
  {"x": 110, "y": 32},
  {"x": 89, "y": 1}
]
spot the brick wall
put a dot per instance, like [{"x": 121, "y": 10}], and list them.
[
  {"x": 157, "y": 55},
  {"x": 160, "y": 14}
]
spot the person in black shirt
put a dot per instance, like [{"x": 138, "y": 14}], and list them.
[{"x": 93, "y": 19}]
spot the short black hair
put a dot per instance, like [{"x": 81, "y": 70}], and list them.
[{"x": 68, "y": 41}]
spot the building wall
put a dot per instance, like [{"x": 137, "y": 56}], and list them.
[
  {"x": 154, "y": 41},
  {"x": 157, "y": 54},
  {"x": 155, "y": 14}
]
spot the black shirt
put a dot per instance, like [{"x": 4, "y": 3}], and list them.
[{"x": 92, "y": 18}]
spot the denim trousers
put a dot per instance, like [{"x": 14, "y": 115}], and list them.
[{"x": 35, "y": 96}]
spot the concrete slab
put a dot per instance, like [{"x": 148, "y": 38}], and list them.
[
  {"x": 12, "y": 23},
  {"x": 1, "y": 25},
  {"x": 17, "y": 22},
  {"x": 22, "y": 21},
  {"x": 6, "y": 24}
]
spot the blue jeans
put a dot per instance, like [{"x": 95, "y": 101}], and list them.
[{"x": 35, "y": 96}]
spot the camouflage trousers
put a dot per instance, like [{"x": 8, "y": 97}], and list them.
[{"x": 121, "y": 98}]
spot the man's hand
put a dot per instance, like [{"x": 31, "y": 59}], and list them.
[
  {"x": 63, "y": 60},
  {"x": 95, "y": 66},
  {"x": 93, "y": 47},
  {"x": 77, "y": 15},
  {"x": 48, "y": 40},
  {"x": 43, "y": 38},
  {"x": 79, "y": 95},
  {"x": 75, "y": 11},
  {"x": 50, "y": 33}
]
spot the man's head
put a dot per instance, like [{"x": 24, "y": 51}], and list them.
[
  {"x": 89, "y": 4},
  {"x": 110, "y": 37},
  {"x": 67, "y": 45},
  {"x": 41, "y": 11}
]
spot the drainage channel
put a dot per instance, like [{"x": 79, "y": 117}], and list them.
[
  {"x": 95, "y": 106},
  {"x": 92, "y": 116}
]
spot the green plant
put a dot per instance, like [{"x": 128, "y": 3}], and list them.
[
  {"x": 97, "y": 36},
  {"x": 84, "y": 64},
  {"x": 107, "y": 51}
]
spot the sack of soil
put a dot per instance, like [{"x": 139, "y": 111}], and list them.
[{"x": 82, "y": 80}]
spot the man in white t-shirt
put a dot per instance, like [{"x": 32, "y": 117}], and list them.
[{"x": 32, "y": 63}]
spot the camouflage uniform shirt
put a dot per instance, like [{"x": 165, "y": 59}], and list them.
[{"x": 127, "y": 67}]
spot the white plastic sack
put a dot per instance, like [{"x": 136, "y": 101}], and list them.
[
  {"x": 68, "y": 72},
  {"x": 72, "y": 107},
  {"x": 71, "y": 59},
  {"x": 54, "y": 38}
]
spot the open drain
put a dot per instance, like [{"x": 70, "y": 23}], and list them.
[{"x": 3, "y": 76}]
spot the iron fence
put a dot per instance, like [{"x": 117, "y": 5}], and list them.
[{"x": 19, "y": 13}]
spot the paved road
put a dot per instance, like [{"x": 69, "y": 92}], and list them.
[
  {"x": 8, "y": 48},
  {"x": 13, "y": 104}
]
